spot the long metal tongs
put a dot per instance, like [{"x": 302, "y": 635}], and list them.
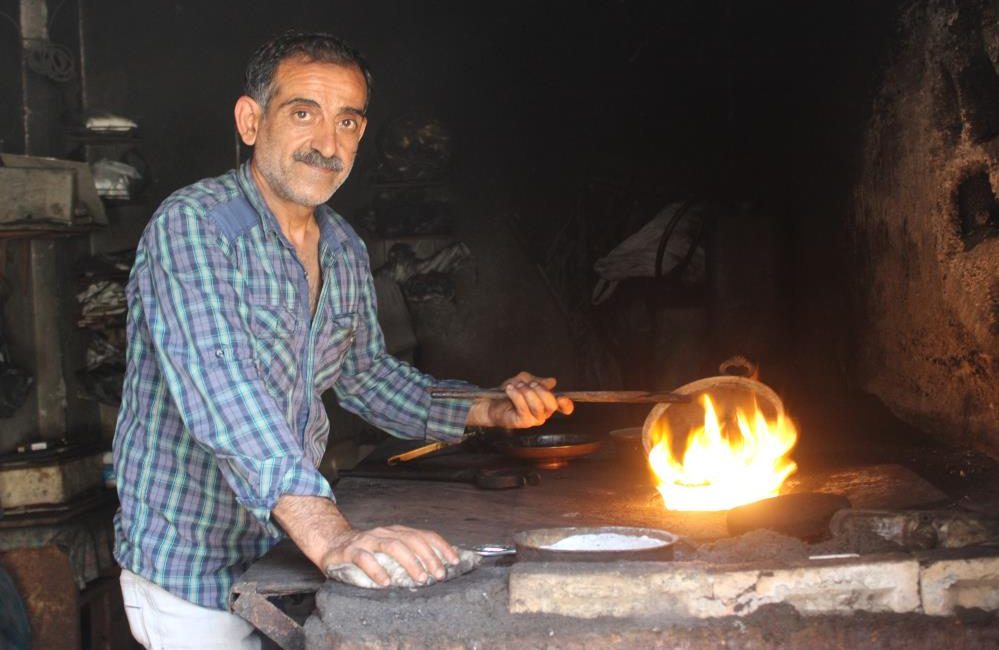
[{"x": 590, "y": 396}]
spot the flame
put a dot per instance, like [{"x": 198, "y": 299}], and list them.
[{"x": 722, "y": 469}]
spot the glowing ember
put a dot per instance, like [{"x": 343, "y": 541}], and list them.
[{"x": 726, "y": 465}]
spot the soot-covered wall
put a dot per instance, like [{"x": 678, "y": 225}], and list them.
[{"x": 926, "y": 225}]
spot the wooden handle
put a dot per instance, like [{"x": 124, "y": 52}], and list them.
[
  {"x": 590, "y": 396},
  {"x": 417, "y": 453}
]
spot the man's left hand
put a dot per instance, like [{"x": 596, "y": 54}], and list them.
[{"x": 530, "y": 402}]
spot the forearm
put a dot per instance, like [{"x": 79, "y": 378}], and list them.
[
  {"x": 395, "y": 397},
  {"x": 315, "y": 524}
]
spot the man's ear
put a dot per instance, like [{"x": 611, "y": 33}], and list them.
[{"x": 248, "y": 116}]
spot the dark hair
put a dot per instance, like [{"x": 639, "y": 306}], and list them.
[{"x": 312, "y": 46}]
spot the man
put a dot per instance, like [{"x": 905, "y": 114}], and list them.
[{"x": 249, "y": 298}]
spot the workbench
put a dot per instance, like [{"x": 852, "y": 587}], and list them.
[{"x": 603, "y": 490}]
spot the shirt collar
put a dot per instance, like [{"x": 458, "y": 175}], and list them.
[
  {"x": 325, "y": 216},
  {"x": 250, "y": 190}
]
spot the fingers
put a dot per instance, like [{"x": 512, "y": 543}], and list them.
[
  {"x": 367, "y": 562},
  {"x": 540, "y": 401},
  {"x": 534, "y": 402},
  {"x": 429, "y": 548},
  {"x": 527, "y": 378},
  {"x": 520, "y": 377},
  {"x": 531, "y": 402},
  {"x": 436, "y": 541},
  {"x": 412, "y": 548},
  {"x": 524, "y": 416},
  {"x": 548, "y": 382}
]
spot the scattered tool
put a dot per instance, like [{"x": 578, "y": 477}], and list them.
[
  {"x": 417, "y": 453},
  {"x": 494, "y": 550},
  {"x": 487, "y": 478}
]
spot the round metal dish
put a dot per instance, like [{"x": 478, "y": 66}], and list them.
[
  {"x": 549, "y": 450},
  {"x": 531, "y": 545}
]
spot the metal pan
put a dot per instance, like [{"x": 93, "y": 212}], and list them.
[
  {"x": 548, "y": 450},
  {"x": 531, "y": 545}
]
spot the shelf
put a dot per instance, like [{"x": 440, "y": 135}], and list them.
[
  {"x": 83, "y": 136},
  {"x": 46, "y": 231},
  {"x": 53, "y": 515}
]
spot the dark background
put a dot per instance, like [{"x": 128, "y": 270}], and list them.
[{"x": 759, "y": 104}]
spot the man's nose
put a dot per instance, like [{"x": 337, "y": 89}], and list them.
[{"x": 325, "y": 141}]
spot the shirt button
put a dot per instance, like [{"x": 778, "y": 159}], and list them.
[{"x": 219, "y": 353}]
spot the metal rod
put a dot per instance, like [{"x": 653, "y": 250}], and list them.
[{"x": 590, "y": 396}]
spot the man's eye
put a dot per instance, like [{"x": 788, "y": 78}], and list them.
[
  {"x": 348, "y": 123},
  {"x": 302, "y": 114}
]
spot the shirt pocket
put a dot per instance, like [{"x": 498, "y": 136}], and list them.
[
  {"x": 277, "y": 344},
  {"x": 335, "y": 341}
]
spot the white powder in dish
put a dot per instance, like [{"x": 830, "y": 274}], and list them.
[{"x": 605, "y": 542}]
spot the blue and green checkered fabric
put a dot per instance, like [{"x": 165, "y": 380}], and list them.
[{"x": 221, "y": 411}]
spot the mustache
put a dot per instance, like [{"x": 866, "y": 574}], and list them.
[{"x": 317, "y": 159}]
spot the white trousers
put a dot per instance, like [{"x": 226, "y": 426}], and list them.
[{"x": 162, "y": 621}]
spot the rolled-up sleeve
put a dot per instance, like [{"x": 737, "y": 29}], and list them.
[
  {"x": 200, "y": 331},
  {"x": 390, "y": 393}
]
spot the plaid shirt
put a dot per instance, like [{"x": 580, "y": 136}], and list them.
[{"x": 221, "y": 411}]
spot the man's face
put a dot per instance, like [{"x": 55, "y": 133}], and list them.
[{"x": 306, "y": 140}]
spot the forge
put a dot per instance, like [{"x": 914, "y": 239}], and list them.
[
  {"x": 901, "y": 556},
  {"x": 729, "y": 446}
]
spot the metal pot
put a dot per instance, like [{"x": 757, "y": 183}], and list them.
[{"x": 729, "y": 393}]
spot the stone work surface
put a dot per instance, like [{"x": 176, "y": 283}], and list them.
[
  {"x": 925, "y": 224},
  {"x": 473, "y": 613}
]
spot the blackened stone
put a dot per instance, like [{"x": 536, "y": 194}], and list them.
[{"x": 805, "y": 516}]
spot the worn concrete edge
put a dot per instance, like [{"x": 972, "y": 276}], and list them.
[
  {"x": 700, "y": 590},
  {"x": 959, "y": 581}
]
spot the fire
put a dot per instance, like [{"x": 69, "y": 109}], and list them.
[{"x": 721, "y": 467}]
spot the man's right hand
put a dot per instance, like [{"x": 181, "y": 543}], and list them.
[{"x": 318, "y": 528}]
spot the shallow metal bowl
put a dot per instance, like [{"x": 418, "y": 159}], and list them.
[
  {"x": 549, "y": 450},
  {"x": 530, "y": 545}
]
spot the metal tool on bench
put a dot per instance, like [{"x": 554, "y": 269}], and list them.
[
  {"x": 487, "y": 478},
  {"x": 419, "y": 452},
  {"x": 494, "y": 550}
]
